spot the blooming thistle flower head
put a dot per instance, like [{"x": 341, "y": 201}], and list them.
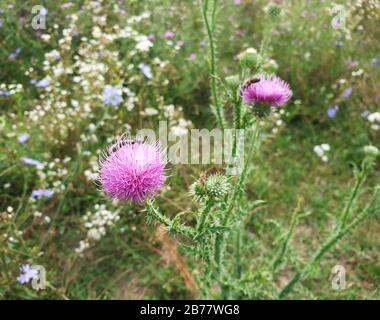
[
  {"x": 266, "y": 92},
  {"x": 132, "y": 169}
]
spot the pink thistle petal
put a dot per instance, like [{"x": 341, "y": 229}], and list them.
[
  {"x": 269, "y": 90},
  {"x": 132, "y": 170}
]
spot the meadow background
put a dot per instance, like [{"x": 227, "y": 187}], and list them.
[{"x": 54, "y": 123}]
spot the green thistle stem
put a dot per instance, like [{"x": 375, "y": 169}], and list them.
[
  {"x": 210, "y": 35},
  {"x": 154, "y": 213},
  {"x": 237, "y": 122},
  {"x": 354, "y": 193},
  {"x": 203, "y": 217},
  {"x": 284, "y": 244},
  {"x": 237, "y": 191},
  {"x": 238, "y": 254}
]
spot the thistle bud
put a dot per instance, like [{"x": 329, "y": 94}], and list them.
[
  {"x": 217, "y": 186},
  {"x": 270, "y": 66},
  {"x": 250, "y": 58},
  {"x": 212, "y": 185},
  {"x": 371, "y": 150},
  {"x": 274, "y": 10},
  {"x": 233, "y": 82}
]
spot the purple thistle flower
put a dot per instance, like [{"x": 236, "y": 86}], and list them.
[
  {"x": 269, "y": 90},
  {"x": 40, "y": 193},
  {"x": 112, "y": 96},
  {"x": 132, "y": 170},
  {"x": 23, "y": 138},
  {"x": 27, "y": 274},
  {"x": 332, "y": 111}
]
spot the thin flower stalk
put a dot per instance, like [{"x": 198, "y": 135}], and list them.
[{"x": 210, "y": 28}]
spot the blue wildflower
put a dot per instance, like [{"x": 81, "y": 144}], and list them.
[
  {"x": 32, "y": 162},
  {"x": 347, "y": 92},
  {"x": 43, "y": 83},
  {"x": 112, "y": 96},
  {"x": 374, "y": 62},
  {"x": 27, "y": 274},
  {"x": 23, "y": 138},
  {"x": 145, "y": 69},
  {"x": 40, "y": 193},
  {"x": 5, "y": 93},
  {"x": 332, "y": 111},
  {"x": 339, "y": 43},
  {"x": 365, "y": 114},
  {"x": 14, "y": 54},
  {"x": 44, "y": 11}
]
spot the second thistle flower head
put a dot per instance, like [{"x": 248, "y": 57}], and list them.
[
  {"x": 132, "y": 170},
  {"x": 269, "y": 90}
]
